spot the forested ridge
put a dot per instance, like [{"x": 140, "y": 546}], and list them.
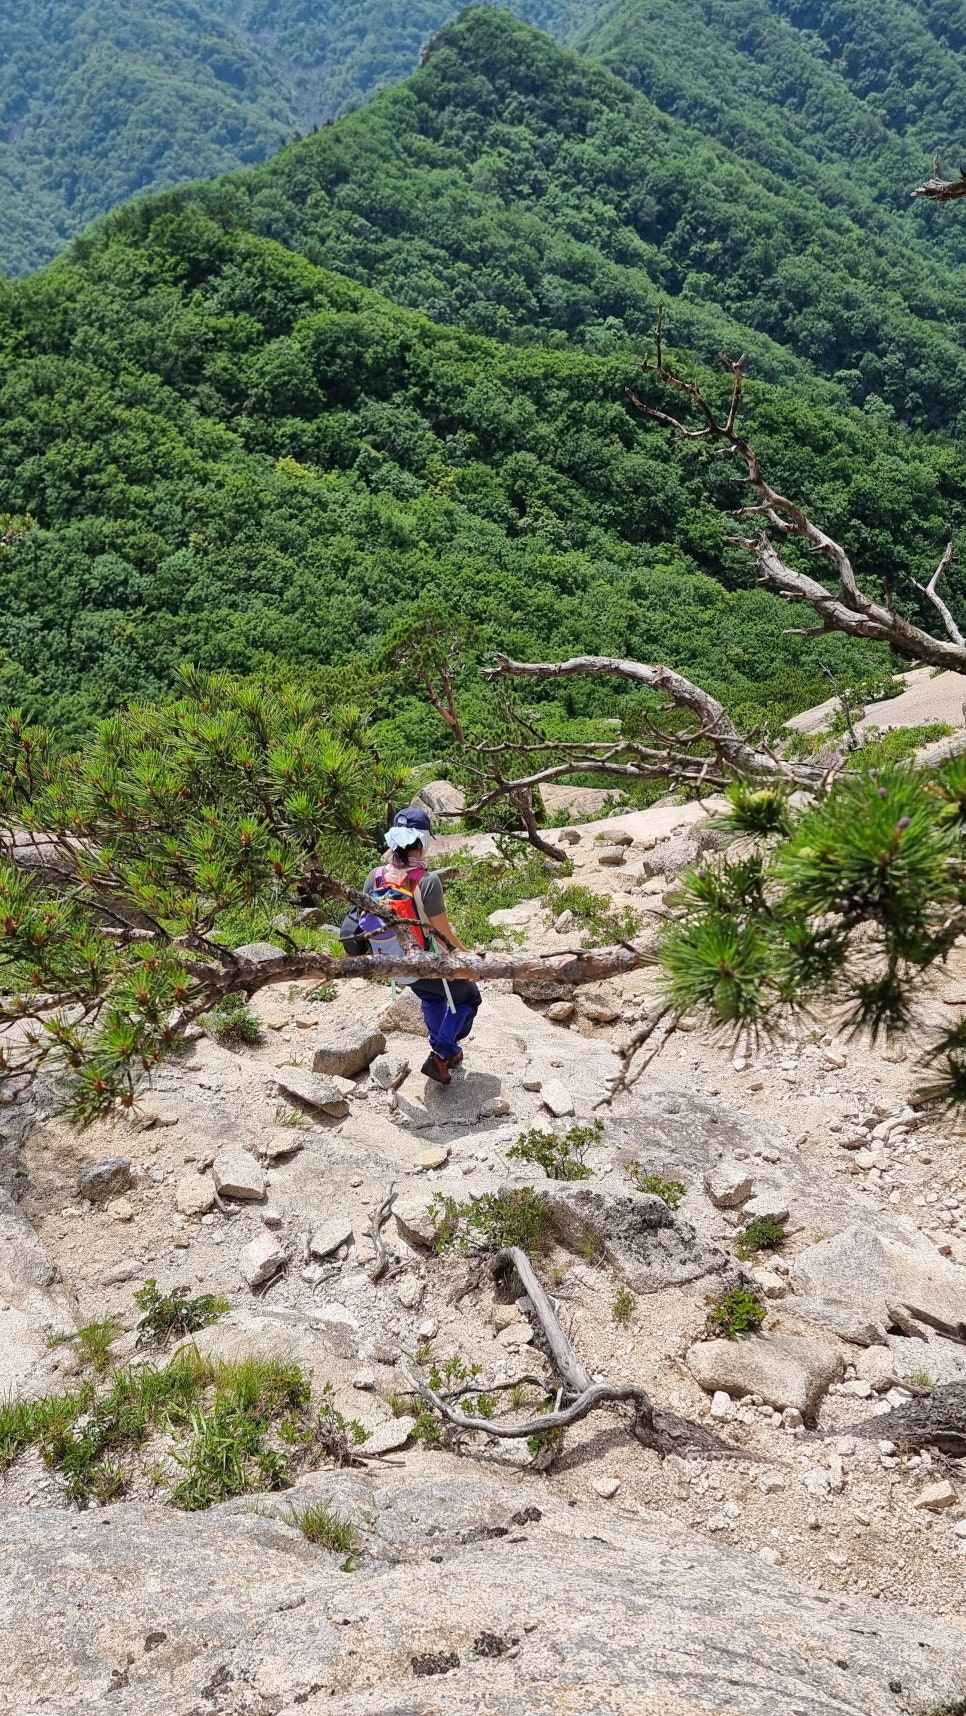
[
  {"x": 254, "y": 420},
  {"x": 100, "y": 101}
]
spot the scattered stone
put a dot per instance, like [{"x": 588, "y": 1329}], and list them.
[
  {"x": 331, "y": 1236},
  {"x": 121, "y": 1209},
  {"x": 722, "y": 1406},
  {"x": 502, "y": 1316},
  {"x": 271, "y": 1218},
  {"x": 238, "y": 1175},
  {"x": 729, "y": 1185},
  {"x": 126, "y": 1270},
  {"x": 771, "y": 1285},
  {"x": 538, "y": 989},
  {"x": 561, "y": 1011},
  {"x": 434, "y": 1156},
  {"x": 936, "y": 1497},
  {"x": 392, "y": 1433},
  {"x": 261, "y": 1259},
  {"x": 564, "y": 922},
  {"x": 557, "y": 1098},
  {"x": 428, "y": 1330},
  {"x": 772, "y": 1483},
  {"x": 612, "y": 857},
  {"x": 348, "y": 1049},
  {"x": 195, "y": 1194},
  {"x": 596, "y": 1008},
  {"x": 404, "y": 1014},
  {"x": 307, "y": 1091},
  {"x": 278, "y": 1145},
  {"x": 569, "y": 837},
  {"x": 516, "y": 1334},
  {"x": 389, "y": 1071},
  {"x": 340, "y": 1329},
  {"x": 783, "y": 1369},
  {"x": 607, "y": 1487},
  {"x": 835, "y": 1058},
  {"x": 260, "y": 952},
  {"x": 497, "y": 1106},
  {"x": 410, "y": 1292},
  {"x": 767, "y": 1206},
  {"x": 532, "y": 1083},
  {"x": 105, "y": 1179},
  {"x": 416, "y": 1226},
  {"x": 365, "y": 1380},
  {"x": 877, "y": 1366}
]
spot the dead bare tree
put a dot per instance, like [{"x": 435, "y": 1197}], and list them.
[{"x": 940, "y": 190}]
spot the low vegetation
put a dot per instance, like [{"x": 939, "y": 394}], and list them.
[
  {"x": 762, "y": 1234},
  {"x": 596, "y": 914},
  {"x": 93, "y": 1343},
  {"x": 561, "y": 1158},
  {"x": 493, "y": 1221},
  {"x": 233, "y": 1025},
  {"x": 171, "y": 1316},
  {"x": 623, "y": 1307},
  {"x": 227, "y": 1428},
  {"x": 736, "y": 1313},
  {"x": 327, "y": 1530},
  {"x": 655, "y": 1185}
]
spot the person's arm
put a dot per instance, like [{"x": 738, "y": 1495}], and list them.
[{"x": 446, "y": 932}]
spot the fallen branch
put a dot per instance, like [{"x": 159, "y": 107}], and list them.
[
  {"x": 377, "y": 1221},
  {"x": 598, "y": 1394},
  {"x": 568, "y": 1364}
]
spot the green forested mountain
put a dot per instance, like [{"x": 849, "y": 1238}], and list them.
[
  {"x": 515, "y": 188},
  {"x": 99, "y": 101},
  {"x": 848, "y": 98},
  {"x": 253, "y": 420}
]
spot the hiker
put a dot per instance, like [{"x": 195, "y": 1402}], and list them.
[{"x": 407, "y": 888}]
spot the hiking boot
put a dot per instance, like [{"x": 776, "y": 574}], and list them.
[
  {"x": 457, "y": 1059},
  {"x": 436, "y": 1067}
]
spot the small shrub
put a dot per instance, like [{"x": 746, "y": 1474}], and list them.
[
  {"x": 319, "y": 1525},
  {"x": 560, "y": 1158},
  {"x": 597, "y": 915},
  {"x": 762, "y": 1234},
  {"x": 671, "y": 1191},
  {"x": 623, "y": 1307},
  {"x": 735, "y": 1314},
  {"x": 323, "y": 992},
  {"x": 497, "y": 1219},
  {"x": 232, "y": 1024},
  {"x": 169, "y": 1316}
]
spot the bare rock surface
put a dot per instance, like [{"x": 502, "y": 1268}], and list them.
[
  {"x": 648, "y": 1246},
  {"x": 144, "y": 1611}
]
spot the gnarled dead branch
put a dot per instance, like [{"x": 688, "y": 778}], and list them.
[
  {"x": 940, "y": 190},
  {"x": 848, "y": 609}
]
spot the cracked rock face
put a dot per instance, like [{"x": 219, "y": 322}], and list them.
[{"x": 146, "y": 1611}]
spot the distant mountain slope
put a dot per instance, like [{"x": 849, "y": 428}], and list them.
[
  {"x": 848, "y": 97},
  {"x": 513, "y": 187},
  {"x": 100, "y": 99}
]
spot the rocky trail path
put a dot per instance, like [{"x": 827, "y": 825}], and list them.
[{"x": 815, "y": 1566}]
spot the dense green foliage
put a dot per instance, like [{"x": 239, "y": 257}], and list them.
[
  {"x": 100, "y": 101},
  {"x": 850, "y": 900},
  {"x": 515, "y": 188},
  {"x": 234, "y": 457}
]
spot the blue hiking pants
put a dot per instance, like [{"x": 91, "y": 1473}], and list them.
[{"x": 447, "y": 1029}]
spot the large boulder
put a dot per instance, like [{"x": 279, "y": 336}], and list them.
[
  {"x": 346, "y": 1050},
  {"x": 440, "y": 798},
  {"x": 403, "y": 1014},
  {"x": 783, "y": 1369},
  {"x": 649, "y": 1246},
  {"x": 861, "y": 1268}
]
